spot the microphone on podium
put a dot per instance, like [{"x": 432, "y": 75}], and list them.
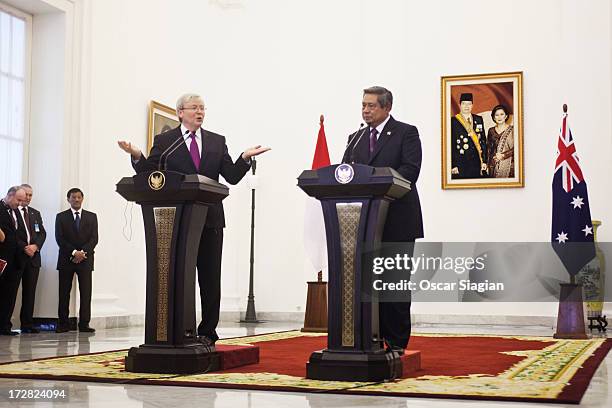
[
  {"x": 167, "y": 152},
  {"x": 359, "y": 133}
]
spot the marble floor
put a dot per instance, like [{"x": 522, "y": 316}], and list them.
[{"x": 82, "y": 394}]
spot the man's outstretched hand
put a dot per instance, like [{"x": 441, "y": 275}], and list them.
[
  {"x": 133, "y": 150},
  {"x": 254, "y": 151}
]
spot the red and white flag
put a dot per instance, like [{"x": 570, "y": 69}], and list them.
[{"x": 315, "y": 242}]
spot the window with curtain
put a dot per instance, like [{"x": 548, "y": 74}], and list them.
[{"x": 13, "y": 76}]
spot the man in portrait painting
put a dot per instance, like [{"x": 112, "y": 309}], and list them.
[{"x": 468, "y": 142}]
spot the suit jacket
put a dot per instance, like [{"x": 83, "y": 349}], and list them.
[
  {"x": 215, "y": 161},
  {"x": 68, "y": 239},
  {"x": 398, "y": 147},
  {"x": 37, "y": 235},
  {"x": 464, "y": 154},
  {"x": 8, "y": 248}
]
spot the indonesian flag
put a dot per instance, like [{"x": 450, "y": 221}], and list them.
[{"x": 315, "y": 242}]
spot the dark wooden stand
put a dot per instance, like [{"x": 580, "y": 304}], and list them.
[
  {"x": 570, "y": 319},
  {"x": 174, "y": 214},
  {"x": 315, "y": 320},
  {"x": 354, "y": 213}
]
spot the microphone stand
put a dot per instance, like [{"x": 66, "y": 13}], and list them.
[{"x": 250, "y": 315}]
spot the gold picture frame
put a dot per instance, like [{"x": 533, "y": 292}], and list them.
[
  {"x": 161, "y": 119},
  {"x": 497, "y": 160}
]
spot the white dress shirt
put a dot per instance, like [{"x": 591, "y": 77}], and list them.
[
  {"x": 380, "y": 127},
  {"x": 187, "y": 137}
]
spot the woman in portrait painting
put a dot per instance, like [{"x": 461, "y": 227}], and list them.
[{"x": 500, "y": 145}]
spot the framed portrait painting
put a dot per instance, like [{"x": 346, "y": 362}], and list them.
[
  {"x": 161, "y": 119},
  {"x": 482, "y": 131}
]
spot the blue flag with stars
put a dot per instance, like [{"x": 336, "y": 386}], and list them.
[{"x": 572, "y": 230}]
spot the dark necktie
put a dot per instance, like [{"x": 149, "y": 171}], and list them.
[
  {"x": 77, "y": 221},
  {"x": 373, "y": 134},
  {"x": 194, "y": 151},
  {"x": 26, "y": 218}
]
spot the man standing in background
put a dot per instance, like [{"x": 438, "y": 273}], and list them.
[
  {"x": 30, "y": 240},
  {"x": 9, "y": 281},
  {"x": 76, "y": 233}
]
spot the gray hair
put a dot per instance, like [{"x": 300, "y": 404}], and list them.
[
  {"x": 26, "y": 185},
  {"x": 183, "y": 99},
  {"x": 11, "y": 191},
  {"x": 384, "y": 96}
]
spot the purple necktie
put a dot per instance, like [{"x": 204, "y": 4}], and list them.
[
  {"x": 373, "y": 134},
  {"x": 194, "y": 151}
]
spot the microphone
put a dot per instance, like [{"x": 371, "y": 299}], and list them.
[
  {"x": 359, "y": 132},
  {"x": 172, "y": 151},
  {"x": 165, "y": 152}
]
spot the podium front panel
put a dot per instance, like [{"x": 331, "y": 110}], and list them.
[
  {"x": 164, "y": 226},
  {"x": 349, "y": 215}
]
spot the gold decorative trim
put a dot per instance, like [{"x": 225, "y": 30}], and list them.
[
  {"x": 164, "y": 225},
  {"x": 349, "y": 215}
]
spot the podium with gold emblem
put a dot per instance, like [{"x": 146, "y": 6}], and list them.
[
  {"x": 355, "y": 199},
  {"x": 174, "y": 208}
]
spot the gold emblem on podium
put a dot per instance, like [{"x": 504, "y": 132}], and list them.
[{"x": 157, "y": 180}]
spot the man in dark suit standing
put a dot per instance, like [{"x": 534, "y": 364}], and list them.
[
  {"x": 386, "y": 142},
  {"x": 9, "y": 281},
  {"x": 76, "y": 233},
  {"x": 31, "y": 236},
  {"x": 190, "y": 149},
  {"x": 468, "y": 142}
]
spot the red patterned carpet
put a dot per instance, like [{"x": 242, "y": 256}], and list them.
[
  {"x": 450, "y": 356},
  {"x": 514, "y": 368}
]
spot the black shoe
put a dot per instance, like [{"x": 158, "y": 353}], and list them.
[
  {"x": 32, "y": 330},
  {"x": 87, "y": 329},
  {"x": 207, "y": 342},
  {"x": 8, "y": 333},
  {"x": 398, "y": 350},
  {"x": 61, "y": 329}
]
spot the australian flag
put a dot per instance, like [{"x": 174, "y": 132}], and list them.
[{"x": 572, "y": 230}]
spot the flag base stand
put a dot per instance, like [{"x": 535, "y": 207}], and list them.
[
  {"x": 315, "y": 320},
  {"x": 250, "y": 316},
  {"x": 570, "y": 319}
]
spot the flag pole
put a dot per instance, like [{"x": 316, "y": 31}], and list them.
[
  {"x": 250, "y": 315},
  {"x": 570, "y": 317},
  {"x": 572, "y": 277},
  {"x": 315, "y": 317}
]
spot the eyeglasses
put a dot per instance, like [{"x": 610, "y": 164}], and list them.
[{"x": 200, "y": 108}]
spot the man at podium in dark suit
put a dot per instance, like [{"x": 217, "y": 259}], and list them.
[
  {"x": 190, "y": 149},
  {"x": 386, "y": 142}
]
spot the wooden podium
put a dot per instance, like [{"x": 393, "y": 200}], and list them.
[
  {"x": 174, "y": 208},
  {"x": 355, "y": 199}
]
